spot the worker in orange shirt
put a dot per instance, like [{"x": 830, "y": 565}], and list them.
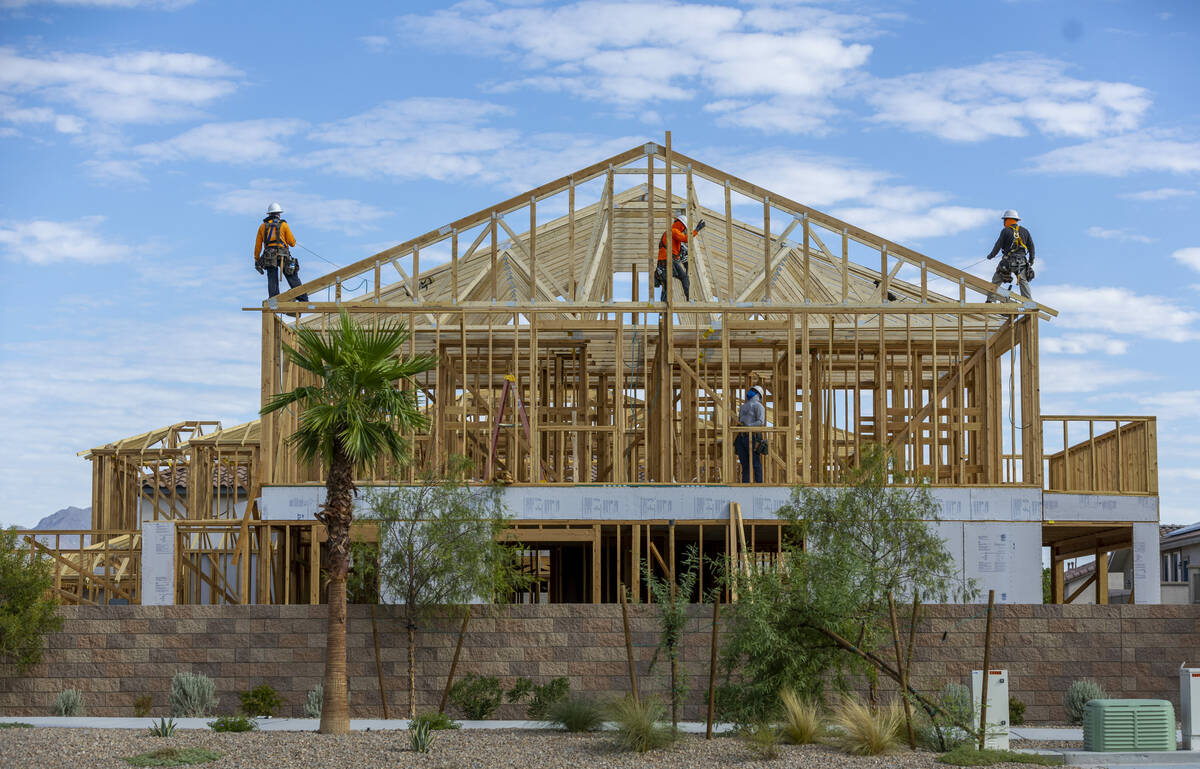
[
  {"x": 271, "y": 252},
  {"x": 679, "y": 258}
]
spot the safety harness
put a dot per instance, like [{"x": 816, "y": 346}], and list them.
[
  {"x": 1018, "y": 244},
  {"x": 271, "y": 233}
]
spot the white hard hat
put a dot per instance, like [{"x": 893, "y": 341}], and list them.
[
  {"x": 274, "y": 208},
  {"x": 1010, "y": 214}
]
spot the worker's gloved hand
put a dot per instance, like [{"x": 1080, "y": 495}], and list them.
[
  {"x": 701, "y": 225},
  {"x": 993, "y": 256},
  {"x": 258, "y": 265}
]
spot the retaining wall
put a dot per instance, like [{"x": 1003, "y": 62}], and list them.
[{"x": 115, "y": 654}]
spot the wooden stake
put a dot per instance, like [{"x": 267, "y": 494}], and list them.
[
  {"x": 912, "y": 738},
  {"x": 378, "y": 663},
  {"x": 712, "y": 667},
  {"x": 987, "y": 661},
  {"x": 633, "y": 685},
  {"x": 462, "y": 632}
]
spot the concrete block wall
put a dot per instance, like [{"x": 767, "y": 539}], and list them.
[{"x": 116, "y": 654}]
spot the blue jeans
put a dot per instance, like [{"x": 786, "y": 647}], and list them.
[
  {"x": 741, "y": 445},
  {"x": 273, "y": 283}
]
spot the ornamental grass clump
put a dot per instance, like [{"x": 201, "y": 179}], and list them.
[
  {"x": 436, "y": 721},
  {"x": 191, "y": 696},
  {"x": 866, "y": 732},
  {"x": 576, "y": 715},
  {"x": 802, "y": 720},
  {"x": 69, "y": 702},
  {"x": 763, "y": 739},
  {"x": 1080, "y": 694},
  {"x": 639, "y": 724}
]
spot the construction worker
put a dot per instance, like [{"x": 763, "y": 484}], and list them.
[
  {"x": 750, "y": 446},
  {"x": 679, "y": 261},
  {"x": 271, "y": 252},
  {"x": 1015, "y": 246}
]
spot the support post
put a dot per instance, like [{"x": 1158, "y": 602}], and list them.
[{"x": 987, "y": 664}]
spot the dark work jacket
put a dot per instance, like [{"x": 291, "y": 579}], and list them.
[{"x": 1006, "y": 241}]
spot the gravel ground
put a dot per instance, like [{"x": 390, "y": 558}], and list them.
[{"x": 57, "y": 748}]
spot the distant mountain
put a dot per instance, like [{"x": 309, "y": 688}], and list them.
[{"x": 67, "y": 518}]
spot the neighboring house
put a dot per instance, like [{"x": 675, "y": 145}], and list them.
[{"x": 1179, "y": 570}]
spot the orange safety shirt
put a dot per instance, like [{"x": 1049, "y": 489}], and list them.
[
  {"x": 285, "y": 235},
  {"x": 679, "y": 235}
]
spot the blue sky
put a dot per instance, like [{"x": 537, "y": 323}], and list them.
[{"x": 142, "y": 140}]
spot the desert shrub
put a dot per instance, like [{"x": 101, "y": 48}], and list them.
[
  {"x": 437, "y": 721},
  {"x": 520, "y": 690},
  {"x": 260, "y": 701},
  {"x": 27, "y": 610},
  {"x": 546, "y": 695},
  {"x": 802, "y": 721},
  {"x": 15, "y": 725},
  {"x": 866, "y": 732},
  {"x": 69, "y": 702},
  {"x": 141, "y": 706},
  {"x": 1079, "y": 694},
  {"x": 477, "y": 696},
  {"x": 238, "y": 723},
  {"x": 1016, "y": 711},
  {"x": 312, "y": 703},
  {"x": 575, "y": 715},
  {"x": 174, "y": 757},
  {"x": 940, "y": 732},
  {"x": 191, "y": 695},
  {"x": 163, "y": 727},
  {"x": 763, "y": 739},
  {"x": 420, "y": 736},
  {"x": 639, "y": 724},
  {"x": 968, "y": 755}
]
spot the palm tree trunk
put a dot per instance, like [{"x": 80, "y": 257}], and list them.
[
  {"x": 412, "y": 670},
  {"x": 337, "y": 515}
]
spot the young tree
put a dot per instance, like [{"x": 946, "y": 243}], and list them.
[
  {"x": 26, "y": 611},
  {"x": 357, "y": 416},
  {"x": 824, "y": 608},
  {"x": 442, "y": 545},
  {"x": 674, "y": 600}
]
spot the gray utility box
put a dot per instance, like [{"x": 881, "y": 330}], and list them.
[
  {"x": 1189, "y": 707},
  {"x": 1126, "y": 725}
]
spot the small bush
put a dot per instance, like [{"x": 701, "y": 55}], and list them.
[
  {"x": 437, "y": 721},
  {"x": 68, "y": 703},
  {"x": 968, "y": 755},
  {"x": 639, "y": 724},
  {"x": 576, "y": 715},
  {"x": 174, "y": 757},
  {"x": 163, "y": 727},
  {"x": 15, "y": 725},
  {"x": 1081, "y": 692},
  {"x": 864, "y": 732},
  {"x": 238, "y": 723},
  {"x": 1016, "y": 711},
  {"x": 191, "y": 696},
  {"x": 420, "y": 736},
  {"x": 313, "y": 702},
  {"x": 802, "y": 722},
  {"x": 520, "y": 690},
  {"x": 557, "y": 690},
  {"x": 939, "y": 733},
  {"x": 477, "y": 696},
  {"x": 260, "y": 701},
  {"x": 763, "y": 739},
  {"x": 141, "y": 706}
]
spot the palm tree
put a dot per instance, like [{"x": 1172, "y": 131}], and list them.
[{"x": 356, "y": 417}]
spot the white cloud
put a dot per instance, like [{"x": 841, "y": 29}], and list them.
[
  {"x": 1188, "y": 256},
  {"x": 1162, "y": 193},
  {"x": 1178, "y": 404},
  {"x": 1083, "y": 344},
  {"x": 143, "y": 86},
  {"x": 42, "y": 242},
  {"x": 247, "y": 141},
  {"x": 1005, "y": 97},
  {"x": 1121, "y": 311},
  {"x": 304, "y": 210},
  {"x": 1117, "y": 234},
  {"x": 1123, "y": 155},
  {"x": 375, "y": 43},
  {"x": 764, "y": 67},
  {"x": 114, "y": 170},
  {"x": 900, "y": 221},
  {"x": 1072, "y": 375},
  {"x": 436, "y": 138}
]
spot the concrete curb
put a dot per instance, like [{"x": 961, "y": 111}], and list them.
[{"x": 295, "y": 724}]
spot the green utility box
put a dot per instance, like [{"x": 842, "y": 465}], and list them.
[{"x": 1123, "y": 725}]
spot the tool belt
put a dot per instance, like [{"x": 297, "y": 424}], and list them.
[
  {"x": 273, "y": 255},
  {"x": 1017, "y": 264}
]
